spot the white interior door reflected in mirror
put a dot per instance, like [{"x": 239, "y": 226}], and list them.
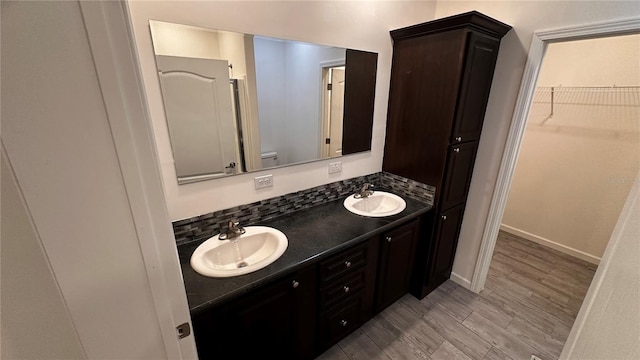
[
  {"x": 197, "y": 95},
  {"x": 333, "y": 84},
  {"x": 336, "y": 112}
]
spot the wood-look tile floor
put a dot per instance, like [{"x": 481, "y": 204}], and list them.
[{"x": 531, "y": 298}]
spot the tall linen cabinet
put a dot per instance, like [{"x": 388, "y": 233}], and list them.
[{"x": 440, "y": 81}]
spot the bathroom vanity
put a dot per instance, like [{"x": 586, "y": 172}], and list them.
[{"x": 339, "y": 270}]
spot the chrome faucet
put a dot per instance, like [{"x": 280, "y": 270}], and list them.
[
  {"x": 233, "y": 230},
  {"x": 364, "y": 192}
]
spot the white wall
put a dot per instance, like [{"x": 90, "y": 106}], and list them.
[
  {"x": 611, "y": 61},
  {"x": 271, "y": 88},
  {"x": 526, "y": 17},
  {"x": 322, "y": 22},
  {"x": 57, "y": 137},
  {"x": 188, "y": 41},
  {"x": 289, "y": 91},
  {"x": 575, "y": 169},
  {"x": 608, "y": 324},
  {"x": 304, "y": 95},
  {"x": 232, "y": 47}
]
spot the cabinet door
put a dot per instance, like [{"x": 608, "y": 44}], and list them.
[
  {"x": 425, "y": 83},
  {"x": 482, "y": 52},
  {"x": 444, "y": 245},
  {"x": 460, "y": 160},
  {"x": 397, "y": 252},
  {"x": 277, "y": 321},
  {"x": 359, "y": 97}
]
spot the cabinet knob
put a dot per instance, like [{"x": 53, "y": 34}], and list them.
[
  {"x": 346, "y": 289},
  {"x": 388, "y": 238},
  {"x": 456, "y": 150},
  {"x": 444, "y": 217},
  {"x": 459, "y": 138},
  {"x": 343, "y": 322},
  {"x": 295, "y": 284},
  {"x": 347, "y": 264}
]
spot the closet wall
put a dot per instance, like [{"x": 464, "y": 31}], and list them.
[{"x": 581, "y": 150}]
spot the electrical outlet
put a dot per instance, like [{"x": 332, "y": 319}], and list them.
[
  {"x": 264, "y": 181},
  {"x": 335, "y": 167}
]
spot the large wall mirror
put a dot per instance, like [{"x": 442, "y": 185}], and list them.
[{"x": 238, "y": 103}]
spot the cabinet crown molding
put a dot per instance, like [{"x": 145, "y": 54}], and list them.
[{"x": 473, "y": 20}]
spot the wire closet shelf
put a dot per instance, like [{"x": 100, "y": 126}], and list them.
[{"x": 586, "y": 102}]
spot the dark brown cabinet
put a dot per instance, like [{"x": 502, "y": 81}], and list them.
[
  {"x": 397, "y": 250},
  {"x": 346, "y": 295},
  {"x": 276, "y": 321},
  {"x": 440, "y": 82},
  {"x": 359, "y": 97},
  {"x": 341, "y": 320},
  {"x": 445, "y": 236},
  {"x": 460, "y": 159},
  {"x": 305, "y": 313},
  {"x": 481, "y": 56}
]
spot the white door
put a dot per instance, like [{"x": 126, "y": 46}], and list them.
[
  {"x": 199, "y": 111},
  {"x": 336, "y": 112}
]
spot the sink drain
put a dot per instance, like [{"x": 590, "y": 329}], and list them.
[{"x": 242, "y": 264}]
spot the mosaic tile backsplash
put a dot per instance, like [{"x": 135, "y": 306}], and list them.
[{"x": 205, "y": 226}]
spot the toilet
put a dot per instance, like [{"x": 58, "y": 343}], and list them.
[{"x": 269, "y": 159}]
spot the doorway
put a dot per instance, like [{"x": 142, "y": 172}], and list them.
[
  {"x": 578, "y": 159},
  {"x": 539, "y": 44},
  {"x": 581, "y": 147},
  {"x": 332, "y": 110}
]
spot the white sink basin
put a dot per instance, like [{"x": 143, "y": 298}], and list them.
[
  {"x": 258, "y": 247},
  {"x": 377, "y": 205}
]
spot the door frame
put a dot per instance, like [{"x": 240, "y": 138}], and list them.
[
  {"x": 539, "y": 42},
  {"x": 114, "y": 54},
  {"x": 325, "y": 66}
]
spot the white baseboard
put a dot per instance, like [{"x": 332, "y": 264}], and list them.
[
  {"x": 460, "y": 281},
  {"x": 551, "y": 244}
]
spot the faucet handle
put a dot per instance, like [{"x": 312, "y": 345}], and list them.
[
  {"x": 233, "y": 230},
  {"x": 364, "y": 191},
  {"x": 234, "y": 223}
]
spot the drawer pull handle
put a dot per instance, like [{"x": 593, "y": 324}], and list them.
[
  {"x": 456, "y": 150},
  {"x": 343, "y": 322},
  {"x": 346, "y": 289},
  {"x": 347, "y": 264},
  {"x": 444, "y": 217},
  {"x": 388, "y": 238},
  {"x": 459, "y": 138},
  {"x": 295, "y": 284}
]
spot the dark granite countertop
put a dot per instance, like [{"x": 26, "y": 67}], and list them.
[{"x": 312, "y": 233}]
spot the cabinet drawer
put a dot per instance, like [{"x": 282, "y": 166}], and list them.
[
  {"x": 342, "y": 288},
  {"x": 339, "y": 321},
  {"x": 343, "y": 263}
]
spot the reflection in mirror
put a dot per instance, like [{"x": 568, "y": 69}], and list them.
[{"x": 238, "y": 102}]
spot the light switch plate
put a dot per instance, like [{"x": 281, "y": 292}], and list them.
[
  {"x": 335, "y": 167},
  {"x": 264, "y": 181}
]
